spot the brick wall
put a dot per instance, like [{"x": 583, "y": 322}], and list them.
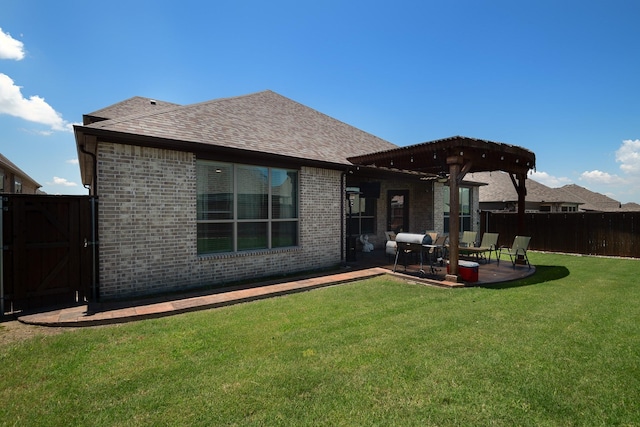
[
  {"x": 421, "y": 212},
  {"x": 147, "y": 226},
  {"x": 426, "y": 200}
]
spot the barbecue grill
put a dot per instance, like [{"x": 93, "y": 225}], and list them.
[{"x": 409, "y": 243}]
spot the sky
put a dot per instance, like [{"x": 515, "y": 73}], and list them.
[{"x": 558, "y": 77}]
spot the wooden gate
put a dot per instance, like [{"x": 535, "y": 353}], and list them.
[{"x": 48, "y": 251}]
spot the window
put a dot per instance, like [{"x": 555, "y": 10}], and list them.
[
  {"x": 17, "y": 186},
  {"x": 243, "y": 207},
  {"x": 362, "y": 219},
  {"x": 1, "y": 182},
  {"x": 465, "y": 209}
]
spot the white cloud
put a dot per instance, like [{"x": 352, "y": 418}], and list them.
[
  {"x": 600, "y": 177},
  {"x": 629, "y": 156},
  {"x": 33, "y": 109},
  {"x": 62, "y": 181},
  {"x": 549, "y": 180},
  {"x": 10, "y": 48},
  {"x": 73, "y": 161}
]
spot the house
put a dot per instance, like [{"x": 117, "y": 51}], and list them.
[
  {"x": 254, "y": 186},
  {"x": 14, "y": 180},
  {"x": 499, "y": 194},
  {"x": 592, "y": 201}
]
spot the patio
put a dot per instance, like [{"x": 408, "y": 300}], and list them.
[{"x": 488, "y": 272}]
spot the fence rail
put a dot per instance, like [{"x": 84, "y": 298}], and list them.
[{"x": 587, "y": 233}]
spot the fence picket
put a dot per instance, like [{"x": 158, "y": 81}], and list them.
[{"x": 587, "y": 233}]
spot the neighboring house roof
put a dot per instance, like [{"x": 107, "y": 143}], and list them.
[
  {"x": 631, "y": 207},
  {"x": 500, "y": 188},
  {"x": 263, "y": 122},
  {"x": 7, "y": 165},
  {"x": 592, "y": 201}
]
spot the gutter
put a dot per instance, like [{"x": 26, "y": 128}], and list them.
[{"x": 343, "y": 241}]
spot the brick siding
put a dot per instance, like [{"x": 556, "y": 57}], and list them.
[{"x": 148, "y": 231}]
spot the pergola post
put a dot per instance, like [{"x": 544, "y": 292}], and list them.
[
  {"x": 521, "y": 189},
  {"x": 455, "y": 163}
]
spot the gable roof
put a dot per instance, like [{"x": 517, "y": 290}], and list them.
[
  {"x": 499, "y": 188},
  {"x": 631, "y": 206},
  {"x": 592, "y": 201},
  {"x": 263, "y": 122}
]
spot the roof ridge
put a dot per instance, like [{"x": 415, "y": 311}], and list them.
[{"x": 162, "y": 110}]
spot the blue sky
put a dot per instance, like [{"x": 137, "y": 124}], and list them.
[{"x": 560, "y": 78}]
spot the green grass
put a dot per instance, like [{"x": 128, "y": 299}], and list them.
[{"x": 561, "y": 348}]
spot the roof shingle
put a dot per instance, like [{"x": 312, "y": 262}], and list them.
[{"x": 262, "y": 122}]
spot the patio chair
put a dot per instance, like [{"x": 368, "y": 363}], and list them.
[
  {"x": 518, "y": 249},
  {"x": 468, "y": 239},
  {"x": 488, "y": 244}
]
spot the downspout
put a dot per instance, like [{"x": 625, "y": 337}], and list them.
[
  {"x": 343, "y": 190},
  {"x": 94, "y": 255},
  {"x": 94, "y": 236}
]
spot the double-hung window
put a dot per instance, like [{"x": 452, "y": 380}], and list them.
[{"x": 245, "y": 207}]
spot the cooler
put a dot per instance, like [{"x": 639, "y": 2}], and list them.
[{"x": 468, "y": 270}]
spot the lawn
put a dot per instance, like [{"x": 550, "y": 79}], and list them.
[{"x": 561, "y": 348}]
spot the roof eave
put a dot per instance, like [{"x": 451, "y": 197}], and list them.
[{"x": 84, "y": 136}]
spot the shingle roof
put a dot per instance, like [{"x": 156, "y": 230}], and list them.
[
  {"x": 500, "y": 188},
  {"x": 129, "y": 107},
  {"x": 631, "y": 206},
  {"x": 592, "y": 200},
  {"x": 264, "y": 122}
]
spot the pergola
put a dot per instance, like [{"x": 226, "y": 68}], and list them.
[{"x": 452, "y": 158}]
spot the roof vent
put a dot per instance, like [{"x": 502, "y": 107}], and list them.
[{"x": 152, "y": 101}]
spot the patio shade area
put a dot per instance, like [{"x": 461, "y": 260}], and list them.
[{"x": 451, "y": 159}]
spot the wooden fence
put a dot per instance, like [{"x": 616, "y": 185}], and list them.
[
  {"x": 47, "y": 251},
  {"x": 587, "y": 233}
]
